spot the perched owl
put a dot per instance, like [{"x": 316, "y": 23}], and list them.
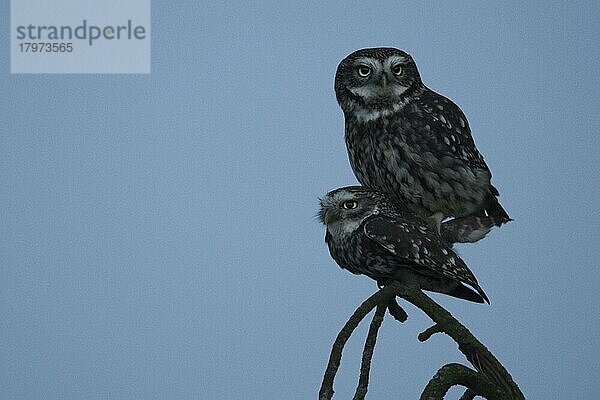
[
  {"x": 410, "y": 142},
  {"x": 367, "y": 234}
]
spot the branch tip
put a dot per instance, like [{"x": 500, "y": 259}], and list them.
[
  {"x": 429, "y": 332},
  {"x": 397, "y": 311}
]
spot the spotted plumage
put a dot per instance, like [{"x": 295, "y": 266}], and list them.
[
  {"x": 367, "y": 234},
  {"x": 410, "y": 142},
  {"x": 467, "y": 229}
]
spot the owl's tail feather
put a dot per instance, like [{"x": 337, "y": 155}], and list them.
[
  {"x": 495, "y": 210},
  {"x": 469, "y": 229},
  {"x": 463, "y": 292}
]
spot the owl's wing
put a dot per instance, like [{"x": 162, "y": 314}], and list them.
[
  {"x": 415, "y": 242},
  {"x": 444, "y": 123},
  {"x": 438, "y": 125}
]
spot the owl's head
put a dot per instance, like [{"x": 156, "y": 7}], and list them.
[
  {"x": 351, "y": 204},
  {"x": 375, "y": 79}
]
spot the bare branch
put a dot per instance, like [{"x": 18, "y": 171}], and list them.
[
  {"x": 381, "y": 297},
  {"x": 481, "y": 358},
  {"x": 396, "y": 311},
  {"x": 456, "y": 374},
  {"x": 491, "y": 380},
  {"x": 365, "y": 366},
  {"x": 468, "y": 395},
  {"x": 429, "y": 332}
]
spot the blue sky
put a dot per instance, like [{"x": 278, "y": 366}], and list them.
[{"x": 158, "y": 238}]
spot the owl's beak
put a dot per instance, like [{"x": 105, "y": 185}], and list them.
[{"x": 383, "y": 81}]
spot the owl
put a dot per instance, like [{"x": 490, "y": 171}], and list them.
[
  {"x": 368, "y": 234},
  {"x": 466, "y": 229},
  {"x": 410, "y": 142}
]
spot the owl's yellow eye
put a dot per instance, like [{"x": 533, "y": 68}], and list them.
[
  {"x": 397, "y": 70},
  {"x": 364, "y": 71},
  {"x": 349, "y": 205}
]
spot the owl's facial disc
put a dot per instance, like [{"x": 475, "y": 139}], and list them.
[
  {"x": 343, "y": 205},
  {"x": 380, "y": 94},
  {"x": 377, "y": 84}
]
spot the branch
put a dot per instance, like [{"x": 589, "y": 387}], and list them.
[
  {"x": 468, "y": 395},
  {"x": 473, "y": 349},
  {"x": 396, "y": 311},
  {"x": 456, "y": 374},
  {"x": 491, "y": 380},
  {"x": 381, "y": 297},
  {"x": 429, "y": 332},
  {"x": 365, "y": 366}
]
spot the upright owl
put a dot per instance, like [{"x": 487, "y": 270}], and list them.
[
  {"x": 410, "y": 142},
  {"x": 368, "y": 234}
]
